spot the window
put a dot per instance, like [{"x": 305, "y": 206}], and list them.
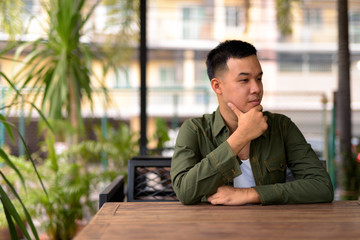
[
  {"x": 235, "y": 17},
  {"x": 29, "y": 11},
  {"x": 313, "y": 17},
  {"x": 201, "y": 77},
  {"x": 320, "y": 62},
  {"x": 121, "y": 79},
  {"x": 289, "y": 62},
  {"x": 168, "y": 77},
  {"x": 193, "y": 22},
  {"x": 312, "y": 62},
  {"x": 354, "y": 26}
]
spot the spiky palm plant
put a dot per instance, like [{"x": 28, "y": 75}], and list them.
[{"x": 57, "y": 68}]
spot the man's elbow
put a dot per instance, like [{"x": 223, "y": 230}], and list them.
[
  {"x": 330, "y": 194},
  {"x": 186, "y": 196},
  {"x": 186, "y": 201},
  {"x": 327, "y": 195}
]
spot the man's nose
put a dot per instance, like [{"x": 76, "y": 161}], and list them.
[{"x": 255, "y": 86}]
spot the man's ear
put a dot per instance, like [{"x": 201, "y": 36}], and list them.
[{"x": 216, "y": 85}]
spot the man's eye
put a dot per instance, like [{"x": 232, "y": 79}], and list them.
[
  {"x": 259, "y": 79},
  {"x": 244, "y": 80}
]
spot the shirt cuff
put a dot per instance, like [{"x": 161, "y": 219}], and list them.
[{"x": 269, "y": 194}]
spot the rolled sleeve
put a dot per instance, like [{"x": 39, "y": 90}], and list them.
[
  {"x": 269, "y": 194},
  {"x": 221, "y": 157}
]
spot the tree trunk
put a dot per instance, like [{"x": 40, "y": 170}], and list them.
[
  {"x": 73, "y": 112},
  {"x": 343, "y": 97}
]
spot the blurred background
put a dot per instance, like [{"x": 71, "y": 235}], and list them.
[
  {"x": 297, "y": 43},
  {"x": 297, "y": 47},
  {"x": 299, "y": 61}
]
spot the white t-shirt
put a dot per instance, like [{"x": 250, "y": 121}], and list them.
[{"x": 246, "y": 179}]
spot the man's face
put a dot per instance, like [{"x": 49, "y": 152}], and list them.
[{"x": 242, "y": 83}]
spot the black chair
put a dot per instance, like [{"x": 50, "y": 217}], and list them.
[
  {"x": 114, "y": 192},
  {"x": 148, "y": 180}
]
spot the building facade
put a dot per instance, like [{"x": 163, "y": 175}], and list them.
[{"x": 300, "y": 69}]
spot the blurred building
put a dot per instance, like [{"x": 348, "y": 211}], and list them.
[{"x": 300, "y": 70}]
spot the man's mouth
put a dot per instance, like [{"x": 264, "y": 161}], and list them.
[{"x": 255, "y": 101}]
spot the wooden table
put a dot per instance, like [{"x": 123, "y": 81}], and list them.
[{"x": 172, "y": 220}]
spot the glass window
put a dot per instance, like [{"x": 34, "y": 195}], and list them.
[
  {"x": 289, "y": 62},
  {"x": 122, "y": 78},
  {"x": 168, "y": 77},
  {"x": 193, "y": 22},
  {"x": 201, "y": 77},
  {"x": 313, "y": 62},
  {"x": 235, "y": 17},
  {"x": 320, "y": 62},
  {"x": 354, "y": 26},
  {"x": 30, "y": 11},
  {"x": 313, "y": 17}
]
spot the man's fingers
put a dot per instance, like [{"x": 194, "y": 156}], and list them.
[
  {"x": 234, "y": 109},
  {"x": 259, "y": 108}
]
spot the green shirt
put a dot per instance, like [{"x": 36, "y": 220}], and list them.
[{"x": 203, "y": 161}]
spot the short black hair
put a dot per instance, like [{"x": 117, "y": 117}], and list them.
[{"x": 217, "y": 58}]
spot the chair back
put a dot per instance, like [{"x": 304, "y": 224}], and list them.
[{"x": 149, "y": 179}]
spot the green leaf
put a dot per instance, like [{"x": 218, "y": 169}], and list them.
[
  {"x": 7, "y": 127},
  {"x": 27, "y": 215},
  {"x": 9, "y": 207},
  {"x": 10, "y": 163},
  {"x": 41, "y": 115},
  {"x": 10, "y": 83},
  {"x": 11, "y": 225},
  {"x": 32, "y": 161}
]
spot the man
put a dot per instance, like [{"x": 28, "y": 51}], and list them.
[{"x": 239, "y": 154}]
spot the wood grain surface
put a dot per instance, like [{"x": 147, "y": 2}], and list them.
[{"x": 172, "y": 220}]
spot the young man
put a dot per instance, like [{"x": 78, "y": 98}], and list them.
[{"x": 239, "y": 154}]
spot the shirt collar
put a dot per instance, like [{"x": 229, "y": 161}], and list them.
[{"x": 219, "y": 123}]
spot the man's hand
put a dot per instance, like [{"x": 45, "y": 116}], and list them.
[
  {"x": 227, "y": 195},
  {"x": 250, "y": 126},
  {"x": 252, "y": 123}
]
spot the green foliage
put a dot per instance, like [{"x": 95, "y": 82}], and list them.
[
  {"x": 68, "y": 188},
  {"x": 70, "y": 182},
  {"x": 13, "y": 206},
  {"x": 8, "y": 192},
  {"x": 284, "y": 16},
  {"x": 161, "y": 135},
  {"x": 118, "y": 145},
  {"x": 62, "y": 204},
  {"x": 57, "y": 70},
  {"x": 10, "y": 10}
]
